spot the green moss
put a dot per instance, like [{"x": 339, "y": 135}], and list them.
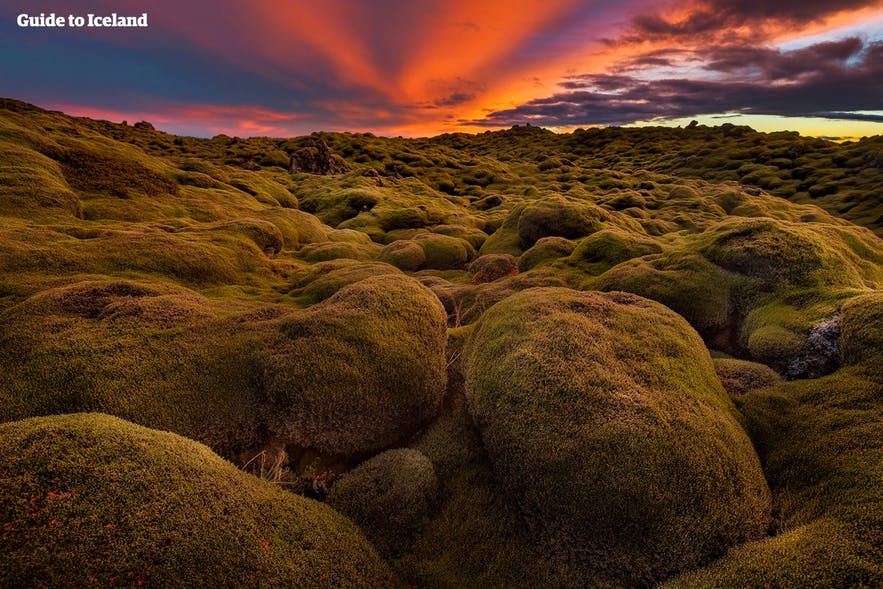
[
  {"x": 323, "y": 280},
  {"x": 91, "y": 499},
  {"x": 359, "y": 371},
  {"x": 388, "y": 496},
  {"x": 403, "y": 254},
  {"x": 492, "y": 267},
  {"x": 687, "y": 283},
  {"x": 150, "y": 352},
  {"x": 555, "y": 216},
  {"x": 334, "y": 250},
  {"x": 577, "y": 421},
  {"x": 546, "y": 249},
  {"x": 741, "y": 376},
  {"x": 604, "y": 249},
  {"x": 444, "y": 252},
  {"x": 861, "y": 331},
  {"x": 821, "y": 444}
]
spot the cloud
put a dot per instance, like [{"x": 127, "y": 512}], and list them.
[
  {"x": 719, "y": 18},
  {"x": 834, "y": 80}
]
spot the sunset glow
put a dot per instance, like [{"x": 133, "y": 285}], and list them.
[{"x": 394, "y": 67}]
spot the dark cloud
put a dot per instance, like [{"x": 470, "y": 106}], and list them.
[
  {"x": 775, "y": 64},
  {"x": 832, "y": 80},
  {"x": 718, "y": 18}
]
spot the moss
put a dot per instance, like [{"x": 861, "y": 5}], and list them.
[
  {"x": 783, "y": 254},
  {"x": 403, "y": 254},
  {"x": 741, "y": 376},
  {"x": 580, "y": 426},
  {"x": 555, "y": 216},
  {"x": 92, "y": 499},
  {"x": 156, "y": 354},
  {"x": 444, "y": 252},
  {"x": 821, "y": 554},
  {"x": 476, "y": 237},
  {"x": 95, "y": 172},
  {"x": 861, "y": 331},
  {"x": 265, "y": 235},
  {"x": 545, "y": 250},
  {"x": 334, "y": 250},
  {"x": 820, "y": 441},
  {"x": 388, "y": 496},
  {"x": 492, "y": 267},
  {"x": 359, "y": 371},
  {"x": 323, "y": 280},
  {"x": 604, "y": 249},
  {"x": 687, "y": 283}
]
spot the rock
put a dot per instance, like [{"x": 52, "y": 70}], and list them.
[
  {"x": 113, "y": 503},
  {"x": 628, "y": 463},
  {"x": 388, "y": 496},
  {"x": 316, "y": 158},
  {"x": 821, "y": 352}
]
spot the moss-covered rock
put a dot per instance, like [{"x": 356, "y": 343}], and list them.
[
  {"x": 555, "y": 216},
  {"x": 444, "y": 252},
  {"x": 388, "y": 496},
  {"x": 604, "y": 249},
  {"x": 546, "y": 249},
  {"x": 360, "y": 371},
  {"x": 92, "y": 499},
  {"x": 492, "y": 267},
  {"x": 629, "y": 459},
  {"x": 403, "y": 254},
  {"x": 821, "y": 441},
  {"x": 148, "y": 351},
  {"x": 861, "y": 331},
  {"x": 740, "y": 376}
]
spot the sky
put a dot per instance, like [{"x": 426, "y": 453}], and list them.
[{"x": 424, "y": 67}]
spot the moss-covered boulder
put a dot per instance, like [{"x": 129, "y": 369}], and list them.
[
  {"x": 556, "y": 216},
  {"x": 492, "y": 267},
  {"x": 606, "y": 248},
  {"x": 360, "y": 371},
  {"x": 546, "y": 249},
  {"x": 821, "y": 441},
  {"x": 740, "y": 376},
  {"x": 444, "y": 252},
  {"x": 388, "y": 496},
  {"x": 90, "y": 499},
  {"x": 628, "y": 458},
  {"x": 148, "y": 351},
  {"x": 403, "y": 254},
  {"x": 861, "y": 331}
]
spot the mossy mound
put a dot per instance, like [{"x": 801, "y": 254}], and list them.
[
  {"x": 157, "y": 354},
  {"x": 92, "y": 499},
  {"x": 627, "y": 458},
  {"x": 360, "y": 371},
  {"x": 687, "y": 283},
  {"x": 546, "y": 249},
  {"x": 403, "y": 254},
  {"x": 781, "y": 254},
  {"x": 741, "y": 376},
  {"x": 319, "y": 281},
  {"x": 556, "y": 216},
  {"x": 334, "y": 250},
  {"x": 604, "y": 249},
  {"x": 265, "y": 235},
  {"x": 861, "y": 332},
  {"x": 444, "y": 252},
  {"x": 388, "y": 496},
  {"x": 821, "y": 442},
  {"x": 492, "y": 267}
]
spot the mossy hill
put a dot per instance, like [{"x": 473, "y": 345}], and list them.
[{"x": 608, "y": 358}]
